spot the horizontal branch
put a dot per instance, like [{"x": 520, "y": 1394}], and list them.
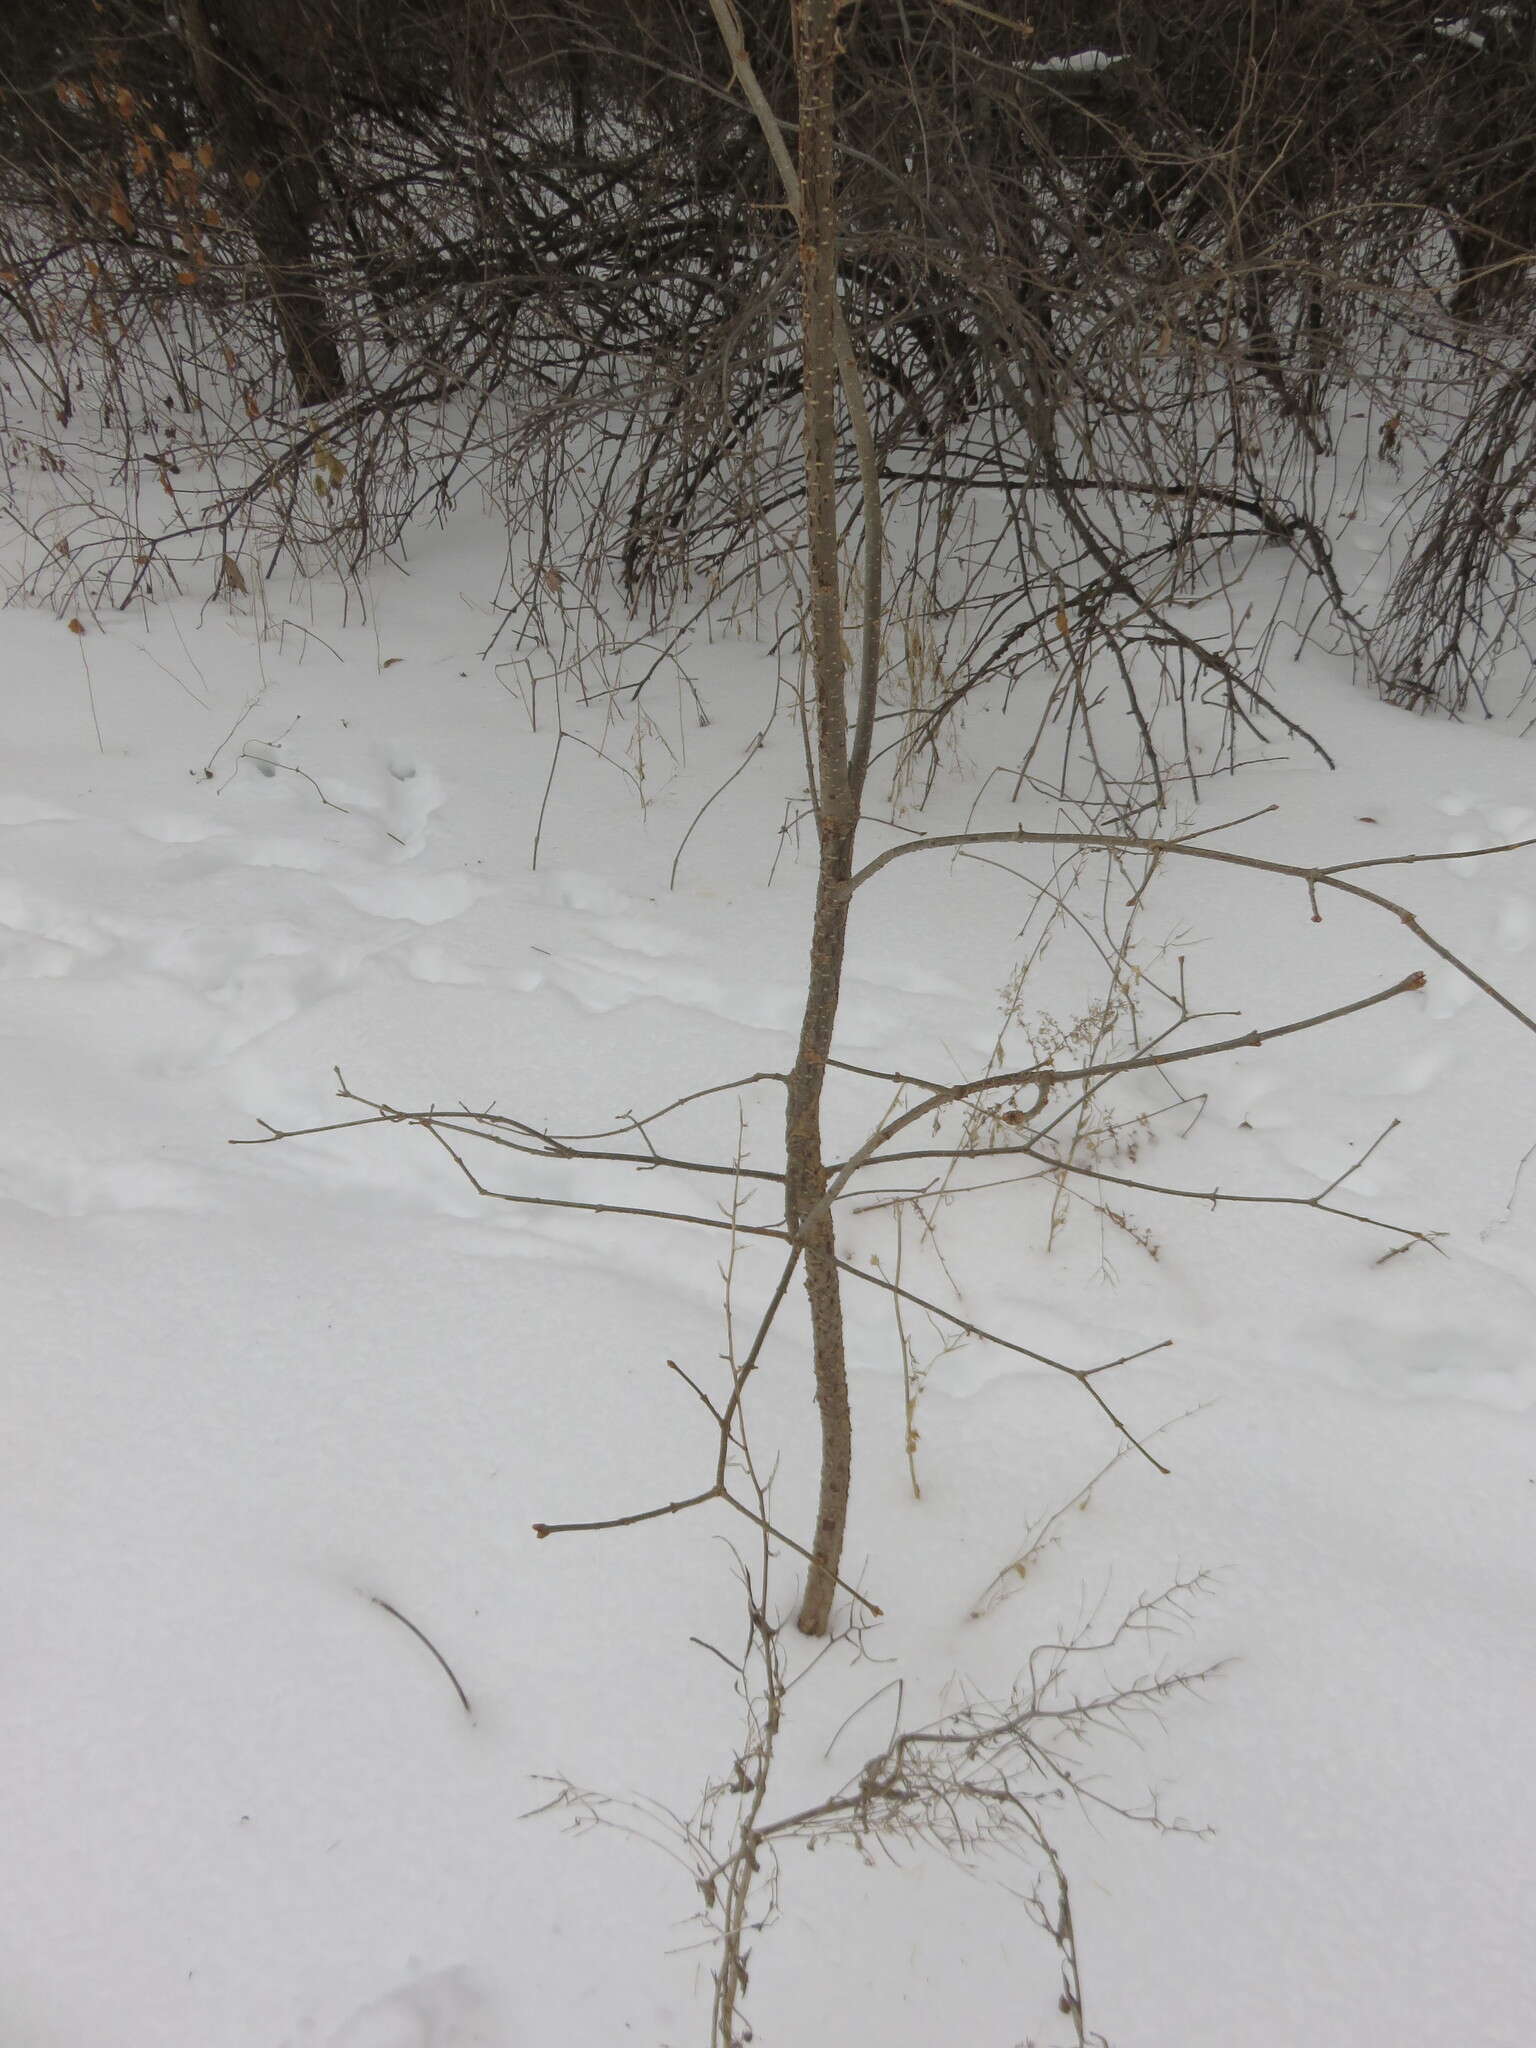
[
  {"x": 1314, "y": 878},
  {"x": 1051, "y": 1163},
  {"x": 698, "y": 1500},
  {"x": 731, "y": 1224},
  {"x": 462, "y": 1123},
  {"x": 964, "y": 1091}
]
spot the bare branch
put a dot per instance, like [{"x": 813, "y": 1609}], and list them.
[
  {"x": 872, "y": 1148},
  {"x": 1313, "y": 877},
  {"x": 422, "y": 1637},
  {"x": 1084, "y": 1375}
]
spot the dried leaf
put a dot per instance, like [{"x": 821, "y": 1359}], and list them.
[
  {"x": 231, "y": 577},
  {"x": 76, "y": 627}
]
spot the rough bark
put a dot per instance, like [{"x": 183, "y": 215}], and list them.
[
  {"x": 266, "y": 185},
  {"x": 810, "y": 1220},
  {"x": 836, "y": 801}
]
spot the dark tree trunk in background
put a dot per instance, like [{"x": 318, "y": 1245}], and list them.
[{"x": 275, "y": 189}]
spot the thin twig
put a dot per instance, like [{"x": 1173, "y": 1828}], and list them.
[
  {"x": 1083, "y": 1374},
  {"x": 422, "y": 1637}
]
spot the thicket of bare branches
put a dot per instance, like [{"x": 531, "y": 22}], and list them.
[{"x": 1114, "y": 272}]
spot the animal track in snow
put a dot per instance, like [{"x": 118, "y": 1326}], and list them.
[
  {"x": 441, "y": 2011},
  {"x": 414, "y": 898},
  {"x": 401, "y": 798},
  {"x": 631, "y": 935},
  {"x": 100, "y": 1187},
  {"x": 1453, "y": 1361},
  {"x": 1487, "y": 824},
  {"x": 1516, "y": 923},
  {"x": 1412, "y": 1074},
  {"x": 415, "y": 792},
  {"x": 1467, "y": 841},
  {"x": 303, "y": 856},
  {"x": 264, "y": 993},
  {"x": 1457, "y": 802},
  {"x": 574, "y": 890},
  {"x": 40, "y": 938},
  {"x": 179, "y": 828},
  {"x": 906, "y": 980},
  {"x": 1449, "y": 994},
  {"x": 430, "y": 961}
]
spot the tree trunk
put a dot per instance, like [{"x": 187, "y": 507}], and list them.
[
  {"x": 811, "y": 1222},
  {"x": 836, "y": 802},
  {"x": 827, "y": 357},
  {"x": 282, "y": 238},
  {"x": 265, "y": 187}
]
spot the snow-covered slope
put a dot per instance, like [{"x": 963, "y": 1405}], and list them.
[{"x": 255, "y": 1392}]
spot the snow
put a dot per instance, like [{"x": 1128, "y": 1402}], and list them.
[
  {"x": 1462, "y": 32},
  {"x": 255, "y": 1391},
  {"x": 1079, "y": 60}
]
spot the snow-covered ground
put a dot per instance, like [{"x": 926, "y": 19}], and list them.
[{"x": 254, "y": 1392}]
